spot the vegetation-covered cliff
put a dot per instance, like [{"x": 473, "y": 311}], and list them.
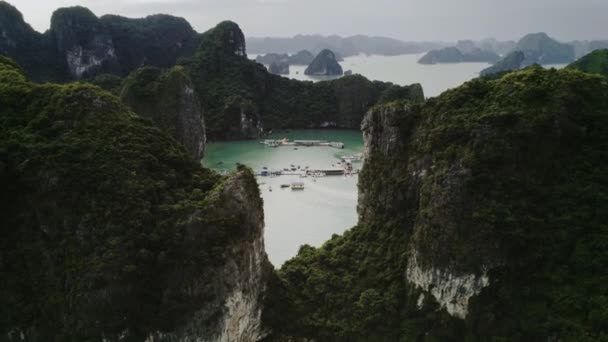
[
  {"x": 481, "y": 219},
  {"x": 241, "y": 98},
  {"x": 535, "y": 48},
  {"x": 595, "y": 63},
  {"x": 324, "y": 64},
  {"x": 78, "y": 44},
  {"x": 110, "y": 231},
  {"x": 169, "y": 99}
]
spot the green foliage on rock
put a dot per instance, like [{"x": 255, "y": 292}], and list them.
[
  {"x": 109, "y": 229},
  {"x": 168, "y": 98},
  {"x": 80, "y": 45},
  {"x": 500, "y": 177},
  {"x": 595, "y": 63},
  {"x": 241, "y": 98},
  {"x": 108, "y": 82}
]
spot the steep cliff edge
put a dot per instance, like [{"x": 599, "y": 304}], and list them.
[
  {"x": 478, "y": 221},
  {"x": 112, "y": 232},
  {"x": 242, "y": 99},
  {"x": 79, "y": 44},
  {"x": 169, "y": 99}
]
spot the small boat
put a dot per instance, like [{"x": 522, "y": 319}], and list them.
[
  {"x": 293, "y": 169},
  {"x": 285, "y": 169},
  {"x": 283, "y": 186},
  {"x": 295, "y": 148},
  {"x": 220, "y": 163}
]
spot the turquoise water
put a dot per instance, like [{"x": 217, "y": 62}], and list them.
[{"x": 325, "y": 207}]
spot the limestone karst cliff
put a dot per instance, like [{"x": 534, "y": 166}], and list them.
[
  {"x": 240, "y": 98},
  {"x": 112, "y": 232},
  {"x": 170, "y": 100},
  {"x": 478, "y": 221},
  {"x": 79, "y": 44},
  {"x": 324, "y": 64},
  {"x": 279, "y": 68},
  {"x": 534, "y": 48}
]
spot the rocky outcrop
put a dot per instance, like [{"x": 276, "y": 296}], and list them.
[
  {"x": 445, "y": 55},
  {"x": 280, "y": 68},
  {"x": 239, "y": 282},
  {"x": 303, "y": 57},
  {"x": 325, "y": 64},
  {"x": 270, "y": 58},
  {"x": 542, "y": 49},
  {"x": 249, "y": 122},
  {"x": 130, "y": 238},
  {"x": 478, "y": 55},
  {"x": 455, "y": 55},
  {"x": 596, "y": 63},
  {"x": 169, "y": 99},
  {"x": 83, "y": 41},
  {"x": 511, "y": 62},
  {"x": 537, "y": 48},
  {"x": 465, "y": 223},
  {"x": 80, "y": 45},
  {"x": 156, "y": 40}
]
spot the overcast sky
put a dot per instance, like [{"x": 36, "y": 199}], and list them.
[{"x": 404, "y": 19}]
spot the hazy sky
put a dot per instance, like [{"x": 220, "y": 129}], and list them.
[{"x": 403, "y": 19}]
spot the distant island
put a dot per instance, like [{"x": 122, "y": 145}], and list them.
[
  {"x": 325, "y": 64},
  {"x": 534, "y": 48},
  {"x": 279, "y": 68},
  {"x": 341, "y": 46},
  {"x": 455, "y": 55},
  {"x": 302, "y": 57}
]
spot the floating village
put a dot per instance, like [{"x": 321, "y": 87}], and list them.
[{"x": 344, "y": 167}]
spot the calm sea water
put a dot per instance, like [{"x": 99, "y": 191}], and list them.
[
  {"x": 325, "y": 207},
  {"x": 405, "y": 70}
]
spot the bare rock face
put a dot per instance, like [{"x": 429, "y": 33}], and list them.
[
  {"x": 84, "y": 41},
  {"x": 238, "y": 283},
  {"x": 392, "y": 134}
]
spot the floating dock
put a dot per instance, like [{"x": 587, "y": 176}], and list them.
[
  {"x": 308, "y": 173},
  {"x": 303, "y": 143}
]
